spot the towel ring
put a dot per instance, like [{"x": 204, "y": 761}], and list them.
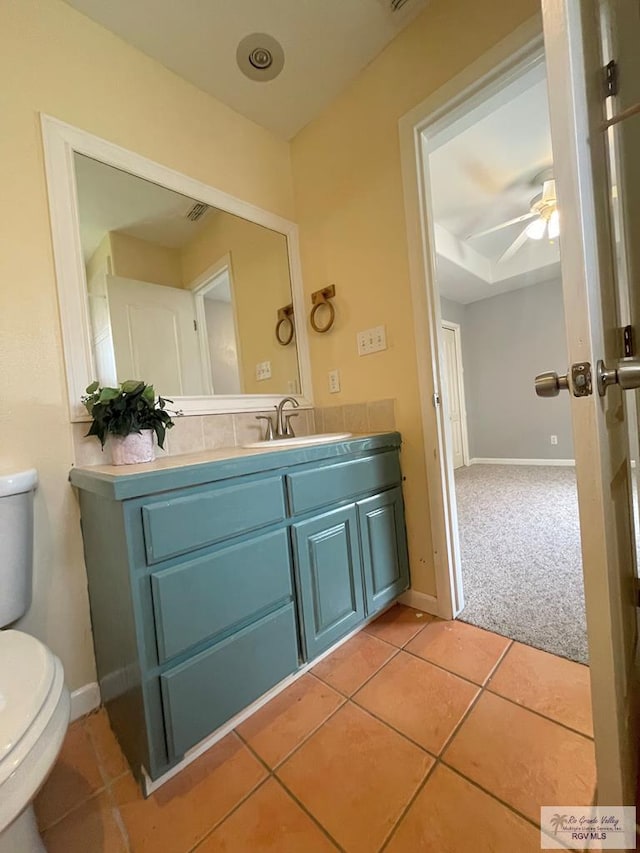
[
  {"x": 285, "y": 315},
  {"x": 320, "y": 298}
]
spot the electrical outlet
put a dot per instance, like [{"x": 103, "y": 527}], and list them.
[
  {"x": 263, "y": 371},
  {"x": 554, "y": 439},
  {"x": 372, "y": 340},
  {"x": 334, "y": 381}
]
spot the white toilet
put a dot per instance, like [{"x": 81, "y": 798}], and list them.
[{"x": 34, "y": 702}]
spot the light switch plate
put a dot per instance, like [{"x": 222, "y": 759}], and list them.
[
  {"x": 372, "y": 340},
  {"x": 263, "y": 370},
  {"x": 334, "y": 381}
]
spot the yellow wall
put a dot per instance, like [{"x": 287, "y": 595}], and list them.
[
  {"x": 145, "y": 261},
  {"x": 348, "y": 202},
  {"x": 261, "y": 285},
  {"x": 53, "y": 59},
  {"x": 350, "y": 209}
]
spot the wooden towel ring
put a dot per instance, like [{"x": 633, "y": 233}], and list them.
[
  {"x": 285, "y": 315},
  {"x": 320, "y": 298}
]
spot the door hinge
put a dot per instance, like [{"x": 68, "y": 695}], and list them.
[
  {"x": 436, "y": 400},
  {"x": 628, "y": 342},
  {"x": 195, "y": 325},
  {"x": 611, "y": 79}
]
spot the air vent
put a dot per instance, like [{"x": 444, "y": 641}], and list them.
[
  {"x": 197, "y": 211},
  {"x": 397, "y": 4}
]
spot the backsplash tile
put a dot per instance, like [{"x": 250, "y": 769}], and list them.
[
  {"x": 186, "y": 435},
  {"x": 218, "y": 431},
  {"x": 382, "y": 416},
  {"x": 204, "y": 432},
  {"x": 333, "y": 419},
  {"x": 356, "y": 418}
]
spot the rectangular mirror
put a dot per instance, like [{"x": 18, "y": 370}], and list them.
[
  {"x": 164, "y": 279},
  {"x": 181, "y": 294}
]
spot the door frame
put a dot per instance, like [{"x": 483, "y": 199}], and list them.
[
  {"x": 508, "y": 59},
  {"x": 462, "y": 400},
  {"x": 199, "y": 287}
]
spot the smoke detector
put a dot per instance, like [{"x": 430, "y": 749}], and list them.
[{"x": 260, "y": 57}]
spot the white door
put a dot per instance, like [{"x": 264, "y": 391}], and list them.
[
  {"x": 575, "y": 78},
  {"x": 155, "y": 336},
  {"x": 453, "y": 393}
]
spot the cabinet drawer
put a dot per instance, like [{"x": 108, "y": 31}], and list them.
[
  {"x": 204, "y": 597},
  {"x": 203, "y": 693},
  {"x": 183, "y": 524},
  {"x": 316, "y": 488}
]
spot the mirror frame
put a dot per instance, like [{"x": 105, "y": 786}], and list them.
[{"x": 61, "y": 141}]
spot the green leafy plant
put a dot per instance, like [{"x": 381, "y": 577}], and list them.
[{"x": 130, "y": 408}]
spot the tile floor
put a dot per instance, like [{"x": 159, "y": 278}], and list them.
[{"x": 416, "y": 736}]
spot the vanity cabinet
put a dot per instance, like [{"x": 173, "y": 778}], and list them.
[{"x": 213, "y": 578}]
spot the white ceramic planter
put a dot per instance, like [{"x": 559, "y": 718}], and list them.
[{"x": 134, "y": 448}]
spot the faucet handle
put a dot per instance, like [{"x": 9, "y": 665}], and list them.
[
  {"x": 288, "y": 428},
  {"x": 268, "y": 432}
]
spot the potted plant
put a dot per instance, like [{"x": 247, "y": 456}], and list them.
[{"x": 129, "y": 416}]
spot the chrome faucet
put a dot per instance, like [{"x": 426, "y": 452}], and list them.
[{"x": 283, "y": 427}]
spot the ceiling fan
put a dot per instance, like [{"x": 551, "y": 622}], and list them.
[{"x": 543, "y": 216}]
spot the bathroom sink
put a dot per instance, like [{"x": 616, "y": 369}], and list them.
[{"x": 298, "y": 441}]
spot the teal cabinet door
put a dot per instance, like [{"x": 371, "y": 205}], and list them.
[
  {"x": 330, "y": 577},
  {"x": 384, "y": 548}
]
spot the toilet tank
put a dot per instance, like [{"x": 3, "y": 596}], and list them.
[{"x": 16, "y": 543}]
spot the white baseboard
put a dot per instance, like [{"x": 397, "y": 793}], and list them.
[
  {"x": 84, "y": 700},
  {"x": 421, "y": 601},
  {"x": 483, "y": 460}
]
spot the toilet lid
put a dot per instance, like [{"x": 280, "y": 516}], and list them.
[{"x": 26, "y": 675}]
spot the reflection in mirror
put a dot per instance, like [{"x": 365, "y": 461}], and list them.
[{"x": 182, "y": 295}]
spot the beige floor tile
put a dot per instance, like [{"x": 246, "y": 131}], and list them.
[
  {"x": 522, "y": 758},
  {"x": 277, "y": 728},
  {"x": 270, "y": 820},
  {"x": 398, "y": 625},
  {"x": 185, "y": 809},
  {"x": 75, "y": 777},
  {"x": 110, "y": 758},
  {"x": 464, "y": 649},
  {"x": 356, "y": 775},
  {"x": 354, "y": 662},
  {"x": 553, "y": 686},
  {"x": 422, "y": 701},
  {"x": 91, "y": 828},
  {"x": 450, "y": 815}
]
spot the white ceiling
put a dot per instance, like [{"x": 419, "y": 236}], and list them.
[
  {"x": 112, "y": 200},
  {"x": 482, "y": 170},
  {"x": 326, "y": 43}
]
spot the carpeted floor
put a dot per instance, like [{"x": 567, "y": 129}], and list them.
[{"x": 521, "y": 562}]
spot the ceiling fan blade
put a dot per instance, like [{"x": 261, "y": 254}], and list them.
[
  {"x": 502, "y": 225},
  {"x": 517, "y": 244}
]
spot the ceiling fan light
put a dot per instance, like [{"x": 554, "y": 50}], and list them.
[
  {"x": 554, "y": 225},
  {"x": 535, "y": 230}
]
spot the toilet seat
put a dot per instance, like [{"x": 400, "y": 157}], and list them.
[
  {"x": 34, "y": 715},
  {"x": 26, "y": 675}
]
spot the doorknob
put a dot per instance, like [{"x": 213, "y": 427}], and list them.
[
  {"x": 626, "y": 374},
  {"x": 549, "y": 384}
]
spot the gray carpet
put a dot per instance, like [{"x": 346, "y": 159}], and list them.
[{"x": 521, "y": 562}]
